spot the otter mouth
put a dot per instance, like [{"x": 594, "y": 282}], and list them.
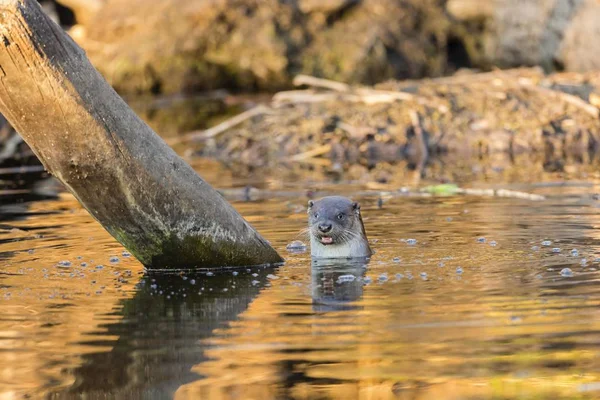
[{"x": 326, "y": 240}]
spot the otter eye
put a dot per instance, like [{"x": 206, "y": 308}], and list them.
[
  {"x": 340, "y": 216},
  {"x": 316, "y": 215}
]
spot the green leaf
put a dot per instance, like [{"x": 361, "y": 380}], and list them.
[{"x": 444, "y": 189}]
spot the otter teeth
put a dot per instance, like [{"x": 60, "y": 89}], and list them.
[{"x": 326, "y": 240}]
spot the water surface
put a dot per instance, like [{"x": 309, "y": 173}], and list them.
[{"x": 478, "y": 305}]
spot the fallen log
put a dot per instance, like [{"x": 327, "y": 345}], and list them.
[{"x": 135, "y": 185}]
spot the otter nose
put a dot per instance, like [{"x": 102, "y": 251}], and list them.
[{"x": 325, "y": 227}]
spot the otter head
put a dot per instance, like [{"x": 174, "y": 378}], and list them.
[{"x": 335, "y": 222}]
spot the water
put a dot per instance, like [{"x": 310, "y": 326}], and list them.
[{"x": 444, "y": 316}]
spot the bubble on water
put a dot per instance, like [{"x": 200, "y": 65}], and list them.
[
  {"x": 411, "y": 242},
  {"x": 296, "y": 246},
  {"x": 459, "y": 270},
  {"x": 271, "y": 276},
  {"x": 184, "y": 278},
  {"x": 535, "y": 248},
  {"x": 235, "y": 273},
  {"x": 584, "y": 261},
  {"x": 367, "y": 280},
  {"x": 546, "y": 243},
  {"x": 566, "y": 272},
  {"x": 79, "y": 257},
  {"x": 346, "y": 278},
  {"x": 64, "y": 263},
  {"x": 575, "y": 253},
  {"x": 383, "y": 277},
  {"x": 493, "y": 243},
  {"x": 539, "y": 276},
  {"x": 449, "y": 219},
  {"x": 399, "y": 276},
  {"x": 31, "y": 251},
  {"x": 83, "y": 264},
  {"x": 556, "y": 250},
  {"x": 168, "y": 296},
  {"x": 153, "y": 286},
  {"x": 396, "y": 259},
  {"x": 481, "y": 240},
  {"x": 225, "y": 289},
  {"x": 114, "y": 259},
  {"x": 255, "y": 274},
  {"x": 99, "y": 266},
  {"x": 424, "y": 275},
  {"x": 209, "y": 273},
  {"x": 254, "y": 283},
  {"x": 126, "y": 254}
]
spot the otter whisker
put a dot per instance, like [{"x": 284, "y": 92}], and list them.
[
  {"x": 349, "y": 235},
  {"x": 304, "y": 232}
]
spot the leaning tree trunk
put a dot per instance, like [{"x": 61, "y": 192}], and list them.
[{"x": 124, "y": 174}]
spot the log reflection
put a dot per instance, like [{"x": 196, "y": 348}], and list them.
[{"x": 160, "y": 334}]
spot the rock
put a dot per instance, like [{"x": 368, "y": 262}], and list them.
[
  {"x": 554, "y": 34},
  {"x": 580, "y": 50},
  {"x": 155, "y": 46}
]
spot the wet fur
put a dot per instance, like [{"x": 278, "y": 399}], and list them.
[{"x": 350, "y": 238}]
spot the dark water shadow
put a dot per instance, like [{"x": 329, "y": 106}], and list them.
[
  {"x": 160, "y": 334},
  {"x": 337, "y": 284}
]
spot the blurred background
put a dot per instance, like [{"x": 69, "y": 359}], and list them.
[{"x": 185, "y": 66}]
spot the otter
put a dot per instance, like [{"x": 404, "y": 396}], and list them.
[{"x": 336, "y": 228}]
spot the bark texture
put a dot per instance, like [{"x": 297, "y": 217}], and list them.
[{"x": 137, "y": 187}]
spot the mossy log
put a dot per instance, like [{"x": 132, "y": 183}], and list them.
[{"x": 124, "y": 174}]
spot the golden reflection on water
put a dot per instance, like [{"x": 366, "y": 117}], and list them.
[{"x": 449, "y": 317}]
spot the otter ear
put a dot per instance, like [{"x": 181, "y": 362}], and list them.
[
  {"x": 356, "y": 207},
  {"x": 311, "y": 203}
]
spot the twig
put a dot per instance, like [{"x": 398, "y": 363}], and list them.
[
  {"x": 312, "y": 153},
  {"x": 374, "y": 190},
  {"x": 12, "y": 192},
  {"x": 502, "y": 193},
  {"x": 461, "y": 79},
  {"x": 22, "y": 169},
  {"x": 303, "y": 96},
  {"x": 384, "y": 96},
  {"x": 308, "y": 80},
  {"x": 366, "y": 96},
  {"x": 568, "y": 98},
  {"x": 353, "y": 131},
  {"x": 226, "y": 125}
]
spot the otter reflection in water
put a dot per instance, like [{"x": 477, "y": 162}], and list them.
[
  {"x": 336, "y": 229},
  {"x": 337, "y": 283}
]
